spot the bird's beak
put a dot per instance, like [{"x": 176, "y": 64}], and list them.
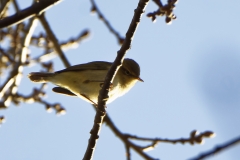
[{"x": 140, "y": 79}]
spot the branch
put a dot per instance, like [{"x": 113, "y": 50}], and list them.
[
  {"x": 128, "y": 153},
  {"x": 10, "y": 86},
  {"x": 164, "y": 10},
  {"x": 54, "y": 40},
  {"x": 35, "y": 9},
  {"x": 7, "y": 56},
  {"x": 16, "y": 6},
  {"x": 35, "y": 96},
  {"x": 9, "y": 81},
  {"x": 2, "y": 120},
  {"x": 105, "y": 21},
  {"x": 103, "y": 94},
  {"x": 218, "y": 149},
  {"x": 23, "y": 55},
  {"x": 3, "y": 7},
  {"x": 124, "y": 138},
  {"x": 193, "y": 138},
  {"x": 73, "y": 42}
]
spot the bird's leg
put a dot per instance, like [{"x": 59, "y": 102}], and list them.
[
  {"x": 110, "y": 88},
  {"x": 89, "y": 99}
]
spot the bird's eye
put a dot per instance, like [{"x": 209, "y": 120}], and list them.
[{"x": 126, "y": 72}]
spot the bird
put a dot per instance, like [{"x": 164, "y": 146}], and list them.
[{"x": 85, "y": 80}]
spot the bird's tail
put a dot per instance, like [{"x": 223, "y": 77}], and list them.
[{"x": 40, "y": 77}]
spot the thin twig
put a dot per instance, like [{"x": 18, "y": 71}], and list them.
[
  {"x": 193, "y": 138},
  {"x": 106, "y": 22},
  {"x": 125, "y": 139},
  {"x": 4, "y": 6},
  {"x": 16, "y": 6},
  {"x": 128, "y": 153},
  {"x": 15, "y": 76},
  {"x": 2, "y": 120},
  {"x": 9, "y": 58},
  {"x": 164, "y": 10},
  {"x": 35, "y": 9},
  {"x": 23, "y": 55},
  {"x": 218, "y": 149},
  {"x": 158, "y": 2},
  {"x": 54, "y": 40},
  {"x": 64, "y": 46}
]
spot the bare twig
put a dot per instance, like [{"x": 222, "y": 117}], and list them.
[
  {"x": 54, "y": 40},
  {"x": 125, "y": 139},
  {"x": 158, "y": 2},
  {"x": 164, "y": 10},
  {"x": 3, "y": 7},
  {"x": 150, "y": 146},
  {"x": 218, "y": 149},
  {"x": 16, "y": 6},
  {"x": 35, "y": 9},
  {"x": 2, "y": 120},
  {"x": 194, "y": 138},
  {"x": 128, "y": 153},
  {"x": 23, "y": 55},
  {"x": 36, "y": 96},
  {"x": 73, "y": 42},
  {"x": 10, "y": 86},
  {"x": 9, "y": 58},
  {"x": 106, "y": 22},
  {"x": 103, "y": 94},
  {"x": 9, "y": 81}
]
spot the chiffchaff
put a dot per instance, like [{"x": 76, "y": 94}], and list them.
[{"x": 85, "y": 80}]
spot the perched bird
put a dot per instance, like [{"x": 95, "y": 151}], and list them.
[{"x": 85, "y": 80}]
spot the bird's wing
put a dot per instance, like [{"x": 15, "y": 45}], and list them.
[
  {"x": 96, "y": 65},
  {"x": 63, "y": 91}
]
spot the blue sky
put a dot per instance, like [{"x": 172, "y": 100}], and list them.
[{"x": 191, "y": 72}]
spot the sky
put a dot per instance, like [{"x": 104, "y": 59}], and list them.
[{"x": 191, "y": 72}]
